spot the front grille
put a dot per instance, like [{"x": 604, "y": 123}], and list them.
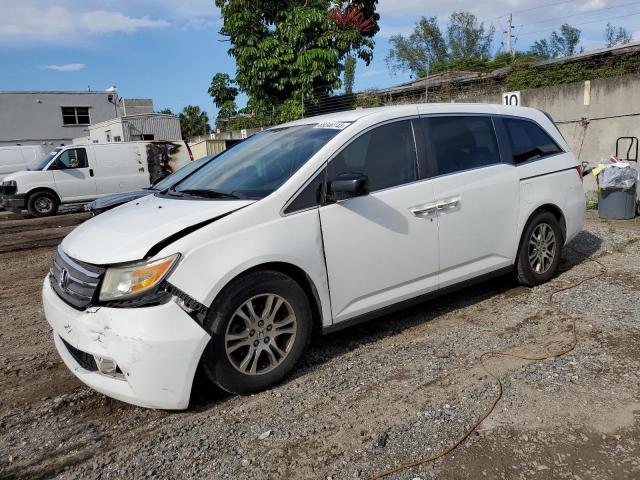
[
  {"x": 75, "y": 282},
  {"x": 84, "y": 359}
]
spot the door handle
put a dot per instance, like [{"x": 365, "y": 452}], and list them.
[
  {"x": 421, "y": 210},
  {"x": 91, "y": 172},
  {"x": 448, "y": 205}
]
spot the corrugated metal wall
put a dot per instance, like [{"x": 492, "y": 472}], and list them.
[{"x": 162, "y": 128}]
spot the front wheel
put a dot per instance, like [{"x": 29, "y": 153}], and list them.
[
  {"x": 260, "y": 326},
  {"x": 539, "y": 252},
  {"x": 42, "y": 204}
]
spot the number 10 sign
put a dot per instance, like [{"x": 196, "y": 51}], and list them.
[{"x": 511, "y": 98}]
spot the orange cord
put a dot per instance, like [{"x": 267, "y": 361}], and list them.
[{"x": 498, "y": 382}]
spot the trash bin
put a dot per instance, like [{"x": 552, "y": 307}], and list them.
[{"x": 617, "y": 203}]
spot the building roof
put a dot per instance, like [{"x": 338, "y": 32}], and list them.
[
  {"x": 467, "y": 76},
  {"x": 54, "y": 92}
]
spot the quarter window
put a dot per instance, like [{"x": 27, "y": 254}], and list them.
[
  {"x": 73, "y": 158},
  {"x": 386, "y": 154},
  {"x": 75, "y": 116},
  {"x": 457, "y": 143},
  {"x": 528, "y": 141},
  {"x": 310, "y": 196}
]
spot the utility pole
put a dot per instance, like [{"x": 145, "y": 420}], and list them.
[
  {"x": 510, "y": 35},
  {"x": 426, "y": 81}
]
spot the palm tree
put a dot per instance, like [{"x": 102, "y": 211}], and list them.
[{"x": 194, "y": 121}]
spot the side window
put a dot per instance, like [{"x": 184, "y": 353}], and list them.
[
  {"x": 528, "y": 141},
  {"x": 386, "y": 154},
  {"x": 310, "y": 196},
  {"x": 73, "y": 158},
  {"x": 457, "y": 143}
]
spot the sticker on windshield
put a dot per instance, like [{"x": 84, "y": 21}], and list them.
[{"x": 333, "y": 125}]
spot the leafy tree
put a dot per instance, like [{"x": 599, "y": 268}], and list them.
[
  {"x": 222, "y": 89},
  {"x": 355, "y": 26},
  {"x": 466, "y": 38},
  {"x": 349, "y": 74},
  {"x": 194, "y": 121},
  {"x": 427, "y": 46},
  {"x": 285, "y": 48},
  {"x": 559, "y": 44},
  {"x": 166, "y": 111},
  {"x": 616, "y": 36},
  {"x": 424, "y": 46}
]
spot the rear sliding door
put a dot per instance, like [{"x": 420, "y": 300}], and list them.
[{"x": 476, "y": 195}]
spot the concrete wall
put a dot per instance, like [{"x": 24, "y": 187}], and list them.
[
  {"x": 29, "y": 118},
  {"x": 610, "y": 105}
]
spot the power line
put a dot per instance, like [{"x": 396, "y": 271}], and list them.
[
  {"x": 532, "y": 8},
  {"x": 586, "y": 23},
  {"x": 581, "y": 13}
]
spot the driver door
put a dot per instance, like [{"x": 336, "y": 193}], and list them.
[
  {"x": 73, "y": 176},
  {"x": 380, "y": 248}
]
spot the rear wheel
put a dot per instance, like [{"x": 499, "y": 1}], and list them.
[
  {"x": 540, "y": 247},
  {"x": 260, "y": 326},
  {"x": 42, "y": 204}
]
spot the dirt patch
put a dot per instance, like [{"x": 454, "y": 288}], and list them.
[{"x": 364, "y": 399}]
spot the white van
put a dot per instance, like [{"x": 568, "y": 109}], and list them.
[
  {"x": 19, "y": 157},
  {"x": 82, "y": 173},
  {"x": 313, "y": 225}
]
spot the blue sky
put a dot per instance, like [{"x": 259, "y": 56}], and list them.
[{"x": 169, "y": 49}]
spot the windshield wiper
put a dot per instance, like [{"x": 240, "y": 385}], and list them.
[{"x": 204, "y": 192}]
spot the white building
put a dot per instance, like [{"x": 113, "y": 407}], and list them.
[{"x": 130, "y": 128}]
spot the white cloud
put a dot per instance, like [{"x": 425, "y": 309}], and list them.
[
  {"x": 24, "y": 21},
  {"x": 67, "y": 67}
]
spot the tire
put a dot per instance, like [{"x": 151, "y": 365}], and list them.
[
  {"x": 536, "y": 262},
  {"x": 228, "y": 360},
  {"x": 42, "y": 204}
]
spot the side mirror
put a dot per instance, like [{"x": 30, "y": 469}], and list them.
[{"x": 349, "y": 185}]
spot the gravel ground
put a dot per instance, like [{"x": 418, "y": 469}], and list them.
[{"x": 365, "y": 399}]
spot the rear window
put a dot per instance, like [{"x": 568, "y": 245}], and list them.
[{"x": 528, "y": 141}]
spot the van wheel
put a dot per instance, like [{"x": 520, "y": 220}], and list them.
[
  {"x": 539, "y": 252},
  {"x": 260, "y": 326},
  {"x": 42, "y": 204}
]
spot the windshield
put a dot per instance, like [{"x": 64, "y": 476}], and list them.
[
  {"x": 44, "y": 161},
  {"x": 259, "y": 165},
  {"x": 170, "y": 180}
]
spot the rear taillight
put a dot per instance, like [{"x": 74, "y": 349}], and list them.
[{"x": 579, "y": 170}]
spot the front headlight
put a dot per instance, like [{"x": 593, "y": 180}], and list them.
[{"x": 121, "y": 283}]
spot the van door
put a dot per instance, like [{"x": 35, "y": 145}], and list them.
[
  {"x": 381, "y": 248},
  {"x": 476, "y": 195},
  {"x": 120, "y": 167},
  {"x": 73, "y": 176}
]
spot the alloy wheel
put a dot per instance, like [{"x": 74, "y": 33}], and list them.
[
  {"x": 260, "y": 334},
  {"x": 542, "y": 248},
  {"x": 43, "y": 205}
]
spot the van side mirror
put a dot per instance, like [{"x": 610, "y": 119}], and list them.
[{"x": 349, "y": 185}]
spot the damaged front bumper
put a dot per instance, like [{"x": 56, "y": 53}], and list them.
[
  {"x": 156, "y": 349},
  {"x": 14, "y": 201}
]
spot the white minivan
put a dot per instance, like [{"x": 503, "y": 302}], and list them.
[
  {"x": 309, "y": 226},
  {"x": 81, "y": 173},
  {"x": 14, "y": 158}
]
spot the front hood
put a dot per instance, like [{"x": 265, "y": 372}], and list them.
[
  {"x": 22, "y": 175},
  {"x": 118, "y": 198},
  {"x": 128, "y": 232}
]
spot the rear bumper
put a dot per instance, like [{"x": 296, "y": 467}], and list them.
[
  {"x": 156, "y": 348},
  {"x": 13, "y": 202}
]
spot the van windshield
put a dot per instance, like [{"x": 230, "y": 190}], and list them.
[
  {"x": 44, "y": 161},
  {"x": 258, "y": 166},
  {"x": 180, "y": 174}
]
